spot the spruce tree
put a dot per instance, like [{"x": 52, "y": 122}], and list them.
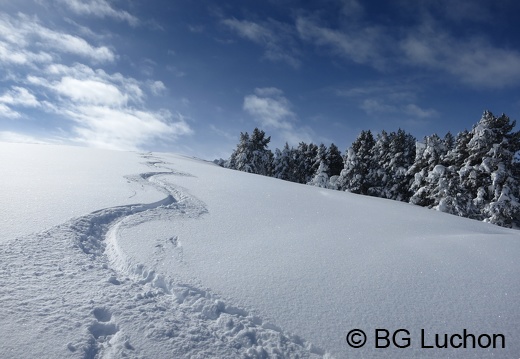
[
  {"x": 334, "y": 160},
  {"x": 428, "y": 157},
  {"x": 252, "y": 154},
  {"x": 489, "y": 172},
  {"x": 321, "y": 178},
  {"x": 284, "y": 164},
  {"x": 358, "y": 163}
]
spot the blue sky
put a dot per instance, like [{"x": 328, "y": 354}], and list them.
[{"x": 189, "y": 76}]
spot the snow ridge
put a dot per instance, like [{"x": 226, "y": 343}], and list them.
[{"x": 71, "y": 293}]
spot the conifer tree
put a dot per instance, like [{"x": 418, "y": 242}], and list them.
[
  {"x": 358, "y": 163},
  {"x": 252, "y": 154},
  {"x": 489, "y": 173},
  {"x": 321, "y": 178},
  {"x": 334, "y": 160},
  {"x": 284, "y": 164},
  {"x": 428, "y": 156}
]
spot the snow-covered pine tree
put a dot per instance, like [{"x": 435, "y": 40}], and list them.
[
  {"x": 242, "y": 148},
  {"x": 428, "y": 155},
  {"x": 393, "y": 154},
  {"x": 378, "y": 177},
  {"x": 321, "y": 178},
  {"x": 284, "y": 164},
  {"x": 304, "y": 160},
  {"x": 358, "y": 164},
  {"x": 490, "y": 172},
  {"x": 401, "y": 158},
  {"x": 252, "y": 154},
  {"x": 334, "y": 160},
  {"x": 449, "y": 142},
  {"x": 321, "y": 156},
  {"x": 300, "y": 163}
]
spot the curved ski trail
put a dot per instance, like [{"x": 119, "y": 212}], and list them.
[{"x": 77, "y": 295}]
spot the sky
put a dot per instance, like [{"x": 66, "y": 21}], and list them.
[{"x": 190, "y": 76}]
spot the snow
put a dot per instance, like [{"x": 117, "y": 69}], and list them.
[
  {"x": 44, "y": 185},
  {"x": 225, "y": 264}
]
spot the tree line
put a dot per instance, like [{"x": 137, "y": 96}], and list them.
[{"x": 475, "y": 174}]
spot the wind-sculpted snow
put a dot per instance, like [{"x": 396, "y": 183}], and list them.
[{"x": 70, "y": 292}]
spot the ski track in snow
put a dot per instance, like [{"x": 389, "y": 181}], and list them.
[{"x": 68, "y": 292}]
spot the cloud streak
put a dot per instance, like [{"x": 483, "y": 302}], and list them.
[
  {"x": 24, "y": 41},
  {"x": 474, "y": 61},
  {"x": 388, "y": 99},
  {"x": 273, "y": 111},
  {"x": 99, "y": 8},
  {"x": 275, "y": 37},
  {"x": 363, "y": 45}
]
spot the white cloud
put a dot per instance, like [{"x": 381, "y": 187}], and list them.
[
  {"x": 275, "y": 37},
  {"x": 392, "y": 99},
  {"x": 82, "y": 83},
  {"x": 273, "y": 111},
  {"x": 7, "y": 112},
  {"x": 99, "y": 8},
  {"x": 474, "y": 61},
  {"x": 13, "y": 55},
  {"x": 107, "y": 109},
  {"x": 250, "y": 30},
  {"x": 361, "y": 44},
  {"x": 90, "y": 92},
  {"x": 126, "y": 128},
  {"x": 157, "y": 87},
  {"x": 24, "y": 41},
  {"x": 418, "y": 112},
  {"x": 374, "y": 106},
  {"x": 19, "y": 96}
]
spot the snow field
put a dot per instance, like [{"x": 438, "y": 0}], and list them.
[
  {"x": 221, "y": 264},
  {"x": 63, "y": 298}
]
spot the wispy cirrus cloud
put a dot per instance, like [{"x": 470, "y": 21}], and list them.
[
  {"x": 157, "y": 87},
  {"x": 397, "y": 99},
  {"x": 360, "y": 44},
  {"x": 24, "y": 41},
  {"x": 272, "y": 110},
  {"x": 474, "y": 61},
  {"x": 374, "y": 106},
  {"x": 429, "y": 42},
  {"x": 99, "y": 8},
  {"x": 275, "y": 37}
]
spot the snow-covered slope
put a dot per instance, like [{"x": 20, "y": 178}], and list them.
[
  {"x": 219, "y": 263},
  {"x": 44, "y": 185}
]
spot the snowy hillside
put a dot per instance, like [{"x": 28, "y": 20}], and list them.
[{"x": 133, "y": 255}]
